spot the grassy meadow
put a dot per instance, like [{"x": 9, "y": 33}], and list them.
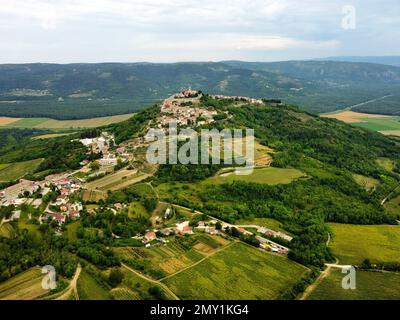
[
  {"x": 268, "y": 175},
  {"x": 353, "y": 243}
]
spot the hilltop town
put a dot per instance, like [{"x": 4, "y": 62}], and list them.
[{"x": 62, "y": 198}]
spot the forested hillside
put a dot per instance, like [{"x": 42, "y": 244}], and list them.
[{"x": 78, "y": 91}]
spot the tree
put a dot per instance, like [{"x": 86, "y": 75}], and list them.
[
  {"x": 115, "y": 277},
  {"x": 218, "y": 226},
  {"x": 94, "y": 166}
]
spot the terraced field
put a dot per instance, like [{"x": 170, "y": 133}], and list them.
[
  {"x": 24, "y": 286},
  {"x": 238, "y": 272}
]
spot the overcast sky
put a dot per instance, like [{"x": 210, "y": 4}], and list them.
[{"x": 66, "y": 31}]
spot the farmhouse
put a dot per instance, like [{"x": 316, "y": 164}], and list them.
[{"x": 185, "y": 230}]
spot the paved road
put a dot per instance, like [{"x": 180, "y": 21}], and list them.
[{"x": 156, "y": 282}]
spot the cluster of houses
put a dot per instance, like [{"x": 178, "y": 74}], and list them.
[
  {"x": 239, "y": 98},
  {"x": 102, "y": 144},
  {"x": 175, "y": 110},
  {"x": 32, "y": 192},
  {"x": 182, "y": 228},
  {"x": 188, "y": 94}
]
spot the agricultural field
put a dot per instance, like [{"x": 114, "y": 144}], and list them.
[
  {"x": 180, "y": 253},
  {"x": 389, "y": 125},
  {"x": 46, "y": 123},
  {"x": 94, "y": 195},
  {"x": 269, "y": 175},
  {"x": 353, "y": 243},
  {"x": 238, "y": 272},
  {"x": 24, "y": 286},
  {"x": 134, "y": 287},
  {"x": 90, "y": 289},
  {"x": 116, "y": 181},
  {"x": 7, "y": 231},
  {"x": 14, "y": 171},
  {"x": 369, "y": 286}
]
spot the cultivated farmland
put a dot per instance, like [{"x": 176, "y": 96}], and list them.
[
  {"x": 353, "y": 243},
  {"x": 46, "y": 123},
  {"x": 238, "y": 272},
  {"x": 24, "y": 286},
  {"x": 369, "y": 286},
  {"x": 90, "y": 289}
]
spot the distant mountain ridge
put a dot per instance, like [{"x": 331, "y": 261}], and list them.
[
  {"x": 388, "y": 60},
  {"x": 76, "y": 91}
]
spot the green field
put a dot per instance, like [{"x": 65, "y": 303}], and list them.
[
  {"x": 134, "y": 287},
  {"x": 24, "y": 286},
  {"x": 352, "y": 243},
  {"x": 369, "y": 286},
  {"x": 269, "y": 175},
  {"x": 238, "y": 272},
  {"x": 379, "y": 124},
  {"x": 116, "y": 181},
  {"x": 179, "y": 253},
  {"x": 90, "y": 289},
  {"x": 9, "y": 172},
  {"x": 46, "y": 123}
]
